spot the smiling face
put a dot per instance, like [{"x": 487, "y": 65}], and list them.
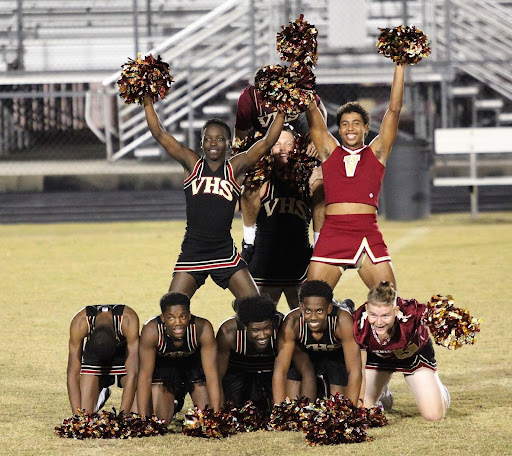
[
  {"x": 283, "y": 148},
  {"x": 315, "y": 310},
  {"x": 215, "y": 142},
  {"x": 176, "y": 319},
  {"x": 381, "y": 316},
  {"x": 259, "y": 333},
  {"x": 352, "y": 130}
]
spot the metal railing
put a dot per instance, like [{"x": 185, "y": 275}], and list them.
[{"x": 206, "y": 58}]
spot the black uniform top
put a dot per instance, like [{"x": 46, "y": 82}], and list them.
[
  {"x": 117, "y": 310},
  {"x": 211, "y": 199},
  {"x": 283, "y": 219},
  {"x": 166, "y": 346},
  {"x": 329, "y": 341},
  {"x": 247, "y": 357}
]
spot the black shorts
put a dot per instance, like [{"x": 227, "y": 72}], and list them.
[
  {"x": 217, "y": 258},
  {"x": 178, "y": 374},
  {"x": 240, "y": 387},
  {"x": 92, "y": 365},
  {"x": 424, "y": 358},
  {"x": 329, "y": 365}
]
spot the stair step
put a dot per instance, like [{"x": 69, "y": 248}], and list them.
[
  {"x": 197, "y": 124},
  {"x": 216, "y": 110},
  {"x": 505, "y": 117},
  {"x": 464, "y": 91},
  {"x": 489, "y": 104}
]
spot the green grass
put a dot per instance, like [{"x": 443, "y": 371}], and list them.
[{"x": 48, "y": 272}]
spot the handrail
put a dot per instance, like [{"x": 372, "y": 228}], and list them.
[{"x": 184, "y": 33}]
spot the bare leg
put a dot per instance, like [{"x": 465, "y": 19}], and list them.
[
  {"x": 292, "y": 296},
  {"x": 89, "y": 392},
  {"x": 333, "y": 389},
  {"x": 273, "y": 293},
  {"x": 183, "y": 282},
  {"x": 200, "y": 396},
  {"x": 429, "y": 393},
  {"x": 163, "y": 402},
  {"x": 373, "y": 274},
  {"x": 323, "y": 271},
  {"x": 242, "y": 284},
  {"x": 376, "y": 381},
  {"x": 250, "y": 204},
  {"x": 293, "y": 388}
]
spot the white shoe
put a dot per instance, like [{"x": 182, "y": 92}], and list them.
[
  {"x": 102, "y": 398},
  {"x": 386, "y": 399}
]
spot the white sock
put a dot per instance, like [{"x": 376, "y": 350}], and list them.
[
  {"x": 316, "y": 235},
  {"x": 249, "y": 234}
]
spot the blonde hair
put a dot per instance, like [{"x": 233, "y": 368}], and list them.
[{"x": 384, "y": 293}]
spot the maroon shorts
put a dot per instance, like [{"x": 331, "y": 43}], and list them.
[{"x": 345, "y": 239}]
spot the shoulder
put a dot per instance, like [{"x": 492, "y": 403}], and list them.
[
  {"x": 203, "y": 326},
  {"x": 247, "y": 93},
  {"x": 130, "y": 313},
  {"x": 291, "y": 320},
  {"x": 227, "y": 330}
]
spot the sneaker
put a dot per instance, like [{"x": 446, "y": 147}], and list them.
[
  {"x": 247, "y": 251},
  {"x": 346, "y": 304},
  {"x": 102, "y": 398},
  {"x": 386, "y": 399}
]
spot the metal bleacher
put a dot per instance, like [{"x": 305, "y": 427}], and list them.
[{"x": 62, "y": 59}]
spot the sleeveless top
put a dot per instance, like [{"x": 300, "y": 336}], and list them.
[
  {"x": 117, "y": 310},
  {"x": 246, "y": 357},
  {"x": 211, "y": 197},
  {"x": 328, "y": 342},
  {"x": 166, "y": 346},
  {"x": 353, "y": 177},
  {"x": 284, "y": 218}
]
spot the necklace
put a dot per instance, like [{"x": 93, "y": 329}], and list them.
[{"x": 386, "y": 340}]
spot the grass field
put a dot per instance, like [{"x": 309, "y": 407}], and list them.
[{"x": 48, "y": 272}]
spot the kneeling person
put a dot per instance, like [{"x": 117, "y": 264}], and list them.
[
  {"x": 324, "y": 332},
  {"x": 178, "y": 355},
  {"x": 112, "y": 334},
  {"x": 247, "y": 350}
]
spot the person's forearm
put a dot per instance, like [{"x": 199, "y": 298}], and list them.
[
  {"x": 73, "y": 384},
  {"x": 354, "y": 387},
  {"x": 129, "y": 389},
  {"x": 144, "y": 396},
  {"x": 279, "y": 387}
]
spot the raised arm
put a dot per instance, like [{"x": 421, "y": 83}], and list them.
[
  {"x": 130, "y": 329},
  {"x": 181, "y": 154},
  {"x": 382, "y": 143},
  {"x": 324, "y": 142},
  {"x": 286, "y": 348},
  {"x": 242, "y": 162},
  {"x": 352, "y": 354},
  {"x": 209, "y": 362},
  {"x": 77, "y": 334},
  {"x": 147, "y": 355}
]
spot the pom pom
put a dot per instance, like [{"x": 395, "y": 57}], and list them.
[
  {"x": 299, "y": 167},
  {"x": 287, "y": 89},
  {"x": 403, "y": 44},
  {"x": 298, "y": 42},
  {"x": 109, "y": 425},
  {"x": 260, "y": 172},
  {"x": 329, "y": 421},
  {"x": 144, "y": 77},
  {"x": 207, "y": 424},
  {"x": 450, "y": 326}
]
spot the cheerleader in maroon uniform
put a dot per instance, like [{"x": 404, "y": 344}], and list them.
[
  {"x": 352, "y": 177},
  {"x": 392, "y": 333}
]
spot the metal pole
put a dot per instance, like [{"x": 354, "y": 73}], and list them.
[
  {"x": 252, "y": 16},
  {"x": 149, "y": 24},
  {"x": 19, "y": 23},
  {"x": 135, "y": 28},
  {"x": 190, "y": 100},
  {"x": 447, "y": 75}
]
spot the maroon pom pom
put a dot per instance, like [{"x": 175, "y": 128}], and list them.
[
  {"x": 287, "y": 89},
  {"x": 298, "y": 42},
  {"x": 144, "y": 77},
  {"x": 403, "y": 44}
]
